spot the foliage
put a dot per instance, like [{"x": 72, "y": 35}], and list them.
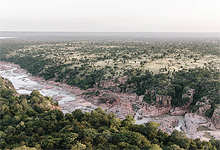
[
  {"x": 27, "y": 124},
  {"x": 202, "y": 80},
  {"x": 39, "y": 129}
]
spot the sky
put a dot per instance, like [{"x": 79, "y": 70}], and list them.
[{"x": 110, "y": 15}]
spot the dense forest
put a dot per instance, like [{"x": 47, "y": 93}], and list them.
[{"x": 28, "y": 123}]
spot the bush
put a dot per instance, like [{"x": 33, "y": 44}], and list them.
[{"x": 209, "y": 112}]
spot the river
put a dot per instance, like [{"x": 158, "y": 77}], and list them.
[{"x": 24, "y": 85}]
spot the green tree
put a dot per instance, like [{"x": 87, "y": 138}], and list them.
[
  {"x": 154, "y": 147},
  {"x": 10, "y": 130},
  {"x": 172, "y": 147},
  {"x": 15, "y": 120},
  {"x": 215, "y": 143},
  {"x": 150, "y": 130},
  {"x": 24, "y": 148},
  {"x": 4, "y": 109},
  {"x": 90, "y": 133},
  {"x": 178, "y": 134},
  {"x": 78, "y": 146},
  {"x": 30, "y": 141}
]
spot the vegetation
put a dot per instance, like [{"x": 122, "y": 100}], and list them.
[
  {"x": 169, "y": 68},
  {"x": 27, "y": 123},
  {"x": 205, "y": 82}
]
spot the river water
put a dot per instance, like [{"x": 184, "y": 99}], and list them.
[{"x": 24, "y": 85}]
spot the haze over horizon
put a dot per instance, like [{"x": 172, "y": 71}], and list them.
[{"x": 110, "y": 16}]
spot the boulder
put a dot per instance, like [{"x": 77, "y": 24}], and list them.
[{"x": 109, "y": 99}]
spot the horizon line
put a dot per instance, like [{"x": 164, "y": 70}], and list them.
[{"x": 122, "y": 31}]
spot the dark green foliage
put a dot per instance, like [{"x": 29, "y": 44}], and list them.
[
  {"x": 202, "y": 80},
  {"x": 95, "y": 130},
  {"x": 6, "y": 93},
  {"x": 34, "y": 65},
  {"x": 87, "y": 82},
  {"x": 25, "y": 121},
  {"x": 215, "y": 143},
  {"x": 90, "y": 93},
  {"x": 209, "y": 112}
]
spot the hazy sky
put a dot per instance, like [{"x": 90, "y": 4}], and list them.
[{"x": 110, "y": 15}]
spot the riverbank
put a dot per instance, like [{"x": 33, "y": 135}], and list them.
[{"x": 68, "y": 97}]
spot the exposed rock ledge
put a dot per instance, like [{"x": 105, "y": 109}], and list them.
[
  {"x": 194, "y": 123},
  {"x": 216, "y": 117}
]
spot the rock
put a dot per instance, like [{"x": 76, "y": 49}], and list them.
[
  {"x": 48, "y": 87},
  {"x": 204, "y": 106},
  {"x": 198, "y": 134},
  {"x": 109, "y": 99},
  {"x": 152, "y": 111},
  {"x": 216, "y": 117},
  {"x": 215, "y": 134},
  {"x": 167, "y": 123},
  {"x": 122, "y": 110},
  {"x": 201, "y": 136},
  {"x": 55, "y": 107},
  {"x": 135, "y": 107},
  {"x": 57, "y": 98},
  {"x": 5, "y": 68},
  {"x": 140, "y": 117},
  {"x": 209, "y": 125},
  {"x": 179, "y": 111},
  {"x": 165, "y": 100},
  {"x": 193, "y": 121},
  {"x": 183, "y": 128},
  {"x": 199, "y": 119},
  {"x": 191, "y": 127}
]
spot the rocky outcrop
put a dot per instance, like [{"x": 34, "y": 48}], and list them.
[
  {"x": 179, "y": 111},
  {"x": 165, "y": 100},
  {"x": 192, "y": 122},
  {"x": 203, "y": 106},
  {"x": 216, "y": 117},
  {"x": 167, "y": 124},
  {"x": 200, "y": 135},
  {"x": 162, "y": 105},
  {"x": 109, "y": 99},
  {"x": 48, "y": 87},
  {"x": 147, "y": 110},
  {"x": 200, "y": 127},
  {"x": 122, "y": 110},
  {"x": 215, "y": 134}
]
